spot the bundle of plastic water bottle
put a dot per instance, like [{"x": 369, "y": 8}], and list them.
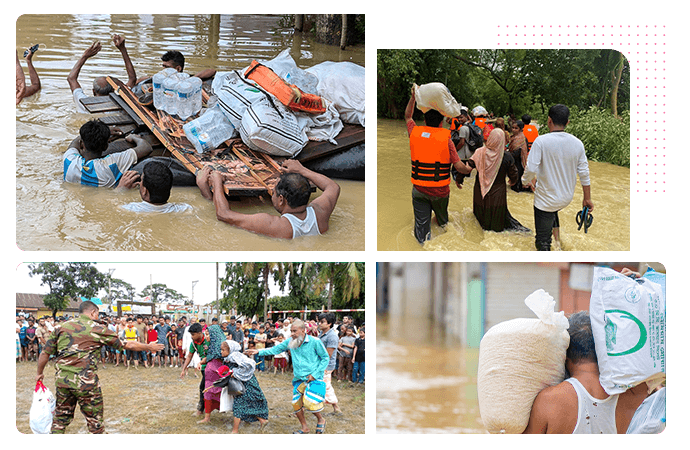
[{"x": 177, "y": 93}]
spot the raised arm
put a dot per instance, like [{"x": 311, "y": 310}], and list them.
[
  {"x": 33, "y": 76},
  {"x": 73, "y": 76},
  {"x": 325, "y": 203},
  {"x": 119, "y": 42}
]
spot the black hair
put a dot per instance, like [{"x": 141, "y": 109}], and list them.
[
  {"x": 526, "y": 119},
  {"x": 295, "y": 188},
  {"x": 139, "y": 316},
  {"x": 520, "y": 124},
  {"x": 174, "y": 56},
  {"x": 196, "y": 328},
  {"x": 559, "y": 115},
  {"x": 581, "y": 346},
  {"x": 129, "y": 319},
  {"x": 433, "y": 118},
  {"x": 95, "y": 134},
  {"x": 158, "y": 180},
  {"x": 85, "y": 307},
  {"x": 329, "y": 316}
]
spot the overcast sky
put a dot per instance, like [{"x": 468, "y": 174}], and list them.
[{"x": 178, "y": 276}]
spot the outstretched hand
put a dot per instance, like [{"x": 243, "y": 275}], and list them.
[
  {"x": 118, "y": 41},
  {"x": 130, "y": 179},
  {"x": 92, "y": 50}
]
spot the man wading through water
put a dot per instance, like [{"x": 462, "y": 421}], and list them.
[{"x": 76, "y": 345}]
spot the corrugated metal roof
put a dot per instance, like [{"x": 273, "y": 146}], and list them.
[{"x": 35, "y": 301}]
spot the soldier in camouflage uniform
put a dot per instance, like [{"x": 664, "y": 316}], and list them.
[{"x": 76, "y": 346}]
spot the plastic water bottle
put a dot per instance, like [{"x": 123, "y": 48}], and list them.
[
  {"x": 184, "y": 99},
  {"x": 170, "y": 92},
  {"x": 158, "y": 86},
  {"x": 196, "y": 95},
  {"x": 209, "y": 130}
]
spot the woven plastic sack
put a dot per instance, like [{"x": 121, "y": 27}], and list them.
[
  {"x": 517, "y": 359},
  {"x": 343, "y": 84},
  {"x": 629, "y": 327},
  {"x": 436, "y": 96},
  {"x": 235, "y": 94},
  {"x": 272, "y": 128}
]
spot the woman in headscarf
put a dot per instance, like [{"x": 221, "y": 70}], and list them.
[
  {"x": 493, "y": 165},
  {"x": 252, "y": 405},
  {"x": 214, "y": 360}
]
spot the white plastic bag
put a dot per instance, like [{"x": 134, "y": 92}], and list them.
[
  {"x": 517, "y": 359},
  {"x": 42, "y": 410},
  {"x": 285, "y": 67},
  {"x": 343, "y": 84},
  {"x": 436, "y": 96},
  {"x": 650, "y": 416},
  {"x": 323, "y": 127},
  {"x": 209, "y": 130},
  {"x": 629, "y": 327},
  {"x": 226, "y": 400}
]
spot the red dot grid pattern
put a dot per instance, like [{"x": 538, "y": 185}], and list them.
[{"x": 644, "y": 46}]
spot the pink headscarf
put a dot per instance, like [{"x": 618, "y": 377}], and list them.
[{"x": 488, "y": 159}]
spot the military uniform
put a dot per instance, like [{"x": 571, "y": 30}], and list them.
[{"x": 76, "y": 347}]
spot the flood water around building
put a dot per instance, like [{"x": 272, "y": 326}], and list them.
[
  {"x": 426, "y": 382},
  {"x": 53, "y": 215},
  {"x": 610, "y": 229}
]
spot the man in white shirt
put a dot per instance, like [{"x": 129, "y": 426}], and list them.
[
  {"x": 155, "y": 185},
  {"x": 553, "y": 164}
]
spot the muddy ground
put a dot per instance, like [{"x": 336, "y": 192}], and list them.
[{"x": 157, "y": 401}]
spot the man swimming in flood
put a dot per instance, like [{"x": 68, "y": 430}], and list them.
[
  {"x": 100, "y": 85},
  {"x": 290, "y": 198}
]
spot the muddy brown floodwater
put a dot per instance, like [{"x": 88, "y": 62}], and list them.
[
  {"x": 395, "y": 219},
  {"x": 53, "y": 215},
  {"x": 157, "y": 401},
  {"x": 425, "y": 381}
]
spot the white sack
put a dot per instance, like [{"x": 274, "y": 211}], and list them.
[
  {"x": 343, "y": 84},
  {"x": 235, "y": 94},
  {"x": 517, "y": 359},
  {"x": 276, "y": 132},
  {"x": 436, "y": 96},
  {"x": 285, "y": 67},
  {"x": 629, "y": 326}
]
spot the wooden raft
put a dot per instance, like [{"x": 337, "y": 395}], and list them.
[{"x": 246, "y": 173}]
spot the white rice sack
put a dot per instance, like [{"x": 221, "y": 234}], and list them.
[
  {"x": 436, "y": 96},
  {"x": 517, "y": 359},
  {"x": 235, "y": 94},
  {"x": 343, "y": 84},
  {"x": 272, "y": 128},
  {"x": 629, "y": 327}
]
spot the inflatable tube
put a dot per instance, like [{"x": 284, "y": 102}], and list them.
[
  {"x": 181, "y": 176},
  {"x": 348, "y": 164}
]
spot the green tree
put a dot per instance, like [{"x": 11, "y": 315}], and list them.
[
  {"x": 119, "y": 290},
  {"x": 68, "y": 281},
  {"x": 161, "y": 293}
]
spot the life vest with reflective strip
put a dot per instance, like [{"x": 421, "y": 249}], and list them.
[
  {"x": 430, "y": 156},
  {"x": 130, "y": 334}
]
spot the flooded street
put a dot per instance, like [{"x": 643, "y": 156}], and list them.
[
  {"x": 610, "y": 193},
  {"x": 425, "y": 381},
  {"x": 53, "y": 215}
]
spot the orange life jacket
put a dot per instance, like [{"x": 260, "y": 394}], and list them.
[
  {"x": 288, "y": 94},
  {"x": 480, "y": 122},
  {"x": 455, "y": 124},
  {"x": 531, "y": 133},
  {"x": 430, "y": 156}
]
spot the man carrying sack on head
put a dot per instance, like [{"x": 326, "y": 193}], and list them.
[{"x": 432, "y": 153}]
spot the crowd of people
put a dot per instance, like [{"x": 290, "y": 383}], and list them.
[
  {"x": 214, "y": 350},
  {"x": 546, "y": 164}
]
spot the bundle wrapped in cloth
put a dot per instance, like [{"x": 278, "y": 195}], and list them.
[
  {"x": 436, "y": 96},
  {"x": 517, "y": 359}
]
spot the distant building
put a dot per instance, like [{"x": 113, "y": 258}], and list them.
[{"x": 32, "y": 305}]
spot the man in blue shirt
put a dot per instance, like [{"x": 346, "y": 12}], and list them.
[
  {"x": 163, "y": 329},
  {"x": 309, "y": 361}
]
